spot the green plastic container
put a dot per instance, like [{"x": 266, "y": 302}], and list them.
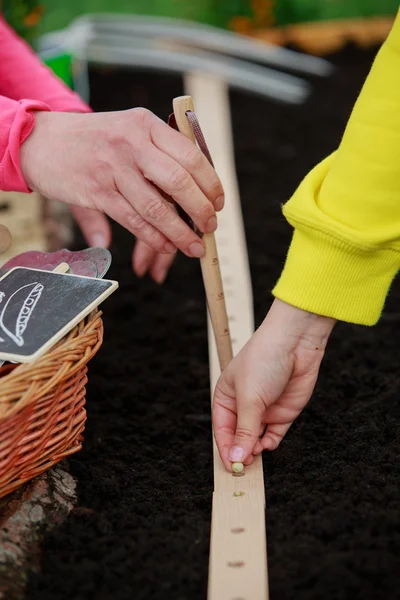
[{"x": 61, "y": 65}]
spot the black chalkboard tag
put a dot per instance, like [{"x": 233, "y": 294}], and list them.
[{"x": 37, "y": 308}]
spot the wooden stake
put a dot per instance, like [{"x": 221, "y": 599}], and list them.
[
  {"x": 209, "y": 262},
  {"x": 238, "y": 558}
]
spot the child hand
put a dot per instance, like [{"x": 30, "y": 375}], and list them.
[{"x": 269, "y": 382}]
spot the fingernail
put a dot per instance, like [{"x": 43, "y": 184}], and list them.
[
  {"x": 212, "y": 225},
  {"x": 219, "y": 203},
  {"x": 236, "y": 454},
  {"x": 98, "y": 239},
  {"x": 196, "y": 249},
  {"x": 160, "y": 276},
  {"x": 141, "y": 270},
  {"x": 170, "y": 248}
]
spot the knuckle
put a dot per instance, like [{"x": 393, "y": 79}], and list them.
[
  {"x": 205, "y": 212},
  {"x": 136, "y": 224},
  {"x": 218, "y": 392},
  {"x": 183, "y": 237},
  {"x": 142, "y": 115},
  {"x": 277, "y": 437},
  {"x": 101, "y": 169},
  {"x": 179, "y": 180},
  {"x": 245, "y": 434},
  {"x": 155, "y": 240},
  {"x": 120, "y": 145},
  {"x": 216, "y": 190},
  {"x": 156, "y": 210},
  {"x": 194, "y": 159},
  {"x": 274, "y": 440},
  {"x": 223, "y": 399},
  {"x": 145, "y": 232},
  {"x": 156, "y": 244}
]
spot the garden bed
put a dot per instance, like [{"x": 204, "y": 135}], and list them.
[{"x": 144, "y": 478}]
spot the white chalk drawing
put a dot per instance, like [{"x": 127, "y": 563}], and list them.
[
  {"x": 2, "y": 294},
  {"x": 31, "y": 293}
]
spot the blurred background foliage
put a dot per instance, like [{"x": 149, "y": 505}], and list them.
[{"x": 33, "y": 17}]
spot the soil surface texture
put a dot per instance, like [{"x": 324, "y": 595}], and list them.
[{"x": 144, "y": 478}]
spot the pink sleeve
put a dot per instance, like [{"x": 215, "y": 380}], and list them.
[
  {"x": 16, "y": 123},
  {"x": 23, "y": 75}
]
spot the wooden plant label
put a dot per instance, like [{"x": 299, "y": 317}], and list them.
[{"x": 37, "y": 308}]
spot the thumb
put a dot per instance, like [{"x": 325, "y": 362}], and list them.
[
  {"x": 247, "y": 431},
  {"x": 94, "y": 226}
]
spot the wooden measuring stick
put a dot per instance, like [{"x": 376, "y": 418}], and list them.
[
  {"x": 238, "y": 558},
  {"x": 209, "y": 262}
]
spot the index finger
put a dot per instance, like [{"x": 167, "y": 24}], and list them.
[
  {"x": 224, "y": 431},
  {"x": 186, "y": 153},
  {"x": 224, "y": 422}
]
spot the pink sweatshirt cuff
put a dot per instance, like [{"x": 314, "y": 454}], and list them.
[
  {"x": 23, "y": 75},
  {"x": 17, "y": 122}
]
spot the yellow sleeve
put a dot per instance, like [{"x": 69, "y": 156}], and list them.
[{"x": 345, "y": 250}]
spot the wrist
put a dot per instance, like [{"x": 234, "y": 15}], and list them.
[
  {"x": 18, "y": 122},
  {"x": 30, "y": 149},
  {"x": 300, "y": 326}
]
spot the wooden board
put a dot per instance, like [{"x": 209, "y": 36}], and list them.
[
  {"x": 238, "y": 557},
  {"x": 35, "y": 223},
  {"x": 22, "y": 214}
]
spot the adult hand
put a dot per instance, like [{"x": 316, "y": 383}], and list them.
[
  {"x": 267, "y": 385},
  {"x": 116, "y": 163},
  {"x": 96, "y": 230},
  {"x": 146, "y": 259}
]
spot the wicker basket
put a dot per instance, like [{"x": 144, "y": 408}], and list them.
[{"x": 42, "y": 414}]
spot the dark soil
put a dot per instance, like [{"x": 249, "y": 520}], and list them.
[{"x": 145, "y": 474}]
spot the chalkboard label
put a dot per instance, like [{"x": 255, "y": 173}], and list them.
[{"x": 37, "y": 308}]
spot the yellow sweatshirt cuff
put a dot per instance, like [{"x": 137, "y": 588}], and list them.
[{"x": 358, "y": 281}]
